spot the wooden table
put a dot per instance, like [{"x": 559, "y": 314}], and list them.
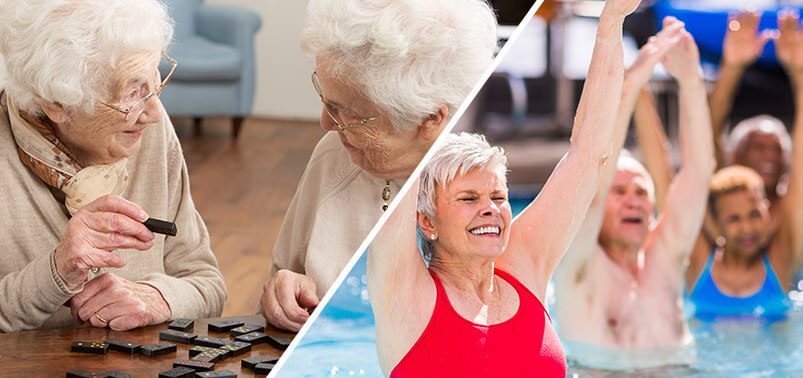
[{"x": 46, "y": 353}]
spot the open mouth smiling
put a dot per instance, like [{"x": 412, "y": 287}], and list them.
[{"x": 486, "y": 230}]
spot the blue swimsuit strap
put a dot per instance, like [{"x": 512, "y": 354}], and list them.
[
  {"x": 770, "y": 276},
  {"x": 769, "y": 272},
  {"x": 706, "y": 271}
]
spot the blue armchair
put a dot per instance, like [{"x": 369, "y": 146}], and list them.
[{"x": 216, "y": 73}]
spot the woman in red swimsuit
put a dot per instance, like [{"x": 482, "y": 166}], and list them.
[{"x": 477, "y": 308}]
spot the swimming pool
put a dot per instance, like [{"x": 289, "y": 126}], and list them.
[{"x": 341, "y": 343}]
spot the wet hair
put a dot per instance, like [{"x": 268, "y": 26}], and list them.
[
  {"x": 459, "y": 154},
  {"x": 66, "y": 51},
  {"x": 408, "y": 57},
  {"x": 735, "y": 178}
]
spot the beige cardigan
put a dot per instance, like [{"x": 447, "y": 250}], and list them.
[
  {"x": 32, "y": 221},
  {"x": 333, "y": 210}
]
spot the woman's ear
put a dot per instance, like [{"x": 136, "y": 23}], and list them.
[
  {"x": 426, "y": 225},
  {"x": 55, "y": 111},
  {"x": 433, "y": 124}
]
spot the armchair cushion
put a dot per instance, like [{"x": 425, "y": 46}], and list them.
[
  {"x": 229, "y": 25},
  {"x": 214, "y": 48},
  {"x": 200, "y": 59}
]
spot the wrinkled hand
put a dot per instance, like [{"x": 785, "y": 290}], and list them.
[
  {"x": 743, "y": 44},
  {"x": 620, "y": 8},
  {"x": 682, "y": 61},
  {"x": 99, "y": 228},
  {"x": 108, "y": 300},
  {"x": 789, "y": 45},
  {"x": 640, "y": 72},
  {"x": 287, "y": 298}
]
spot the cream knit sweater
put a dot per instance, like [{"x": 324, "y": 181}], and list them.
[{"x": 32, "y": 221}]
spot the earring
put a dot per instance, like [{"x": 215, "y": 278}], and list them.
[{"x": 432, "y": 236}]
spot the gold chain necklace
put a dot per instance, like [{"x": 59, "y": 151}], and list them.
[{"x": 386, "y": 195}]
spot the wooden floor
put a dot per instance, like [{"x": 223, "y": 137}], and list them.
[{"x": 242, "y": 190}]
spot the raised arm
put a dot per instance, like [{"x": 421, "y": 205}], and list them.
[
  {"x": 635, "y": 78},
  {"x": 679, "y": 225},
  {"x": 789, "y": 49},
  {"x": 542, "y": 232},
  {"x": 654, "y": 145},
  {"x": 741, "y": 47},
  {"x": 397, "y": 283},
  {"x": 793, "y": 200},
  {"x": 395, "y": 266}
]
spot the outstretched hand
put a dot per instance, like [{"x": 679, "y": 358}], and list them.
[
  {"x": 743, "y": 43},
  {"x": 640, "y": 71},
  {"x": 682, "y": 61},
  {"x": 789, "y": 45}
]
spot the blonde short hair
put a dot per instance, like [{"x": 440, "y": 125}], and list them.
[{"x": 733, "y": 179}]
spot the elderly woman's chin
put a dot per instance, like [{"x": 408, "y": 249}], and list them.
[
  {"x": 375, "y": 164},
  {"x": 122, "y": 145},
  {"x": 488, "y": 246}
]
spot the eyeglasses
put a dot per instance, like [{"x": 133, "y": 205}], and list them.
[
  {"x": 331, "y": 110},
  {"x": 139, "y": 105}
]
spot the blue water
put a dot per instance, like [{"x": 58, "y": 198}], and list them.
[{"x": 341, "y": 342}]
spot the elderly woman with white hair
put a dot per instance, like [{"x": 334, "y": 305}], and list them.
[
  {"x": 390, "y": 74},
  {"x": 761, "y": 142},
  {"x": 478, "y": 307},
  {"x": 745, "y": 258},
  {"x": 88, "y": 154}
]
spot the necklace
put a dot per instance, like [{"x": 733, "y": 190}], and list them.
[{"x": 386, "y": 195}]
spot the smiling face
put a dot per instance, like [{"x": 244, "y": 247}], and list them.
[
  {"x": 374, "y": 146},
  {"x": 743, "y": 218},
  {"x": 473, "y": 215},
  {"x": 107, "y": 135},
  {"x": 628, "y": 209},
  {"x": 762, "y": 152}
]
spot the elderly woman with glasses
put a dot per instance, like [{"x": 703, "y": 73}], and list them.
[
  {"x": 390, "y": 75},
  {"x": 88, "y": 154}
]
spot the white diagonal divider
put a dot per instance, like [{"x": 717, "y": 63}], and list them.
[{"x": 403, "y": 191}]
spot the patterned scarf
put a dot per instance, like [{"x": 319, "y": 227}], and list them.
[{"x": 50, "y": 160}]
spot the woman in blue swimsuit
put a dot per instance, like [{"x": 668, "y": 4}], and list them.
[{"x": 751, "y": 270}]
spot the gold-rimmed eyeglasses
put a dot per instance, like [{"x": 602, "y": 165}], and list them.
[
  {"x": 139, "y": 105},
  {"x": 332, "y": 110}
]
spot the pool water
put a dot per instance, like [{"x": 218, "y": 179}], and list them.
[{"x": 341, "y": 342}]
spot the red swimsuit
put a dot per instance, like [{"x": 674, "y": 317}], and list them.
[{"x": 525, "y": 345}]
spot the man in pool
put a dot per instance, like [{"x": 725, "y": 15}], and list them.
[{"x": 620, "y": 284}]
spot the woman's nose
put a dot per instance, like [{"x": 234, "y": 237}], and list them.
[
  {"x": 327, "y": 123},
  {"x": 152, "y": 112},
  {"x": 745, "y": 227},
  {"x": 491, "y": 209}
]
